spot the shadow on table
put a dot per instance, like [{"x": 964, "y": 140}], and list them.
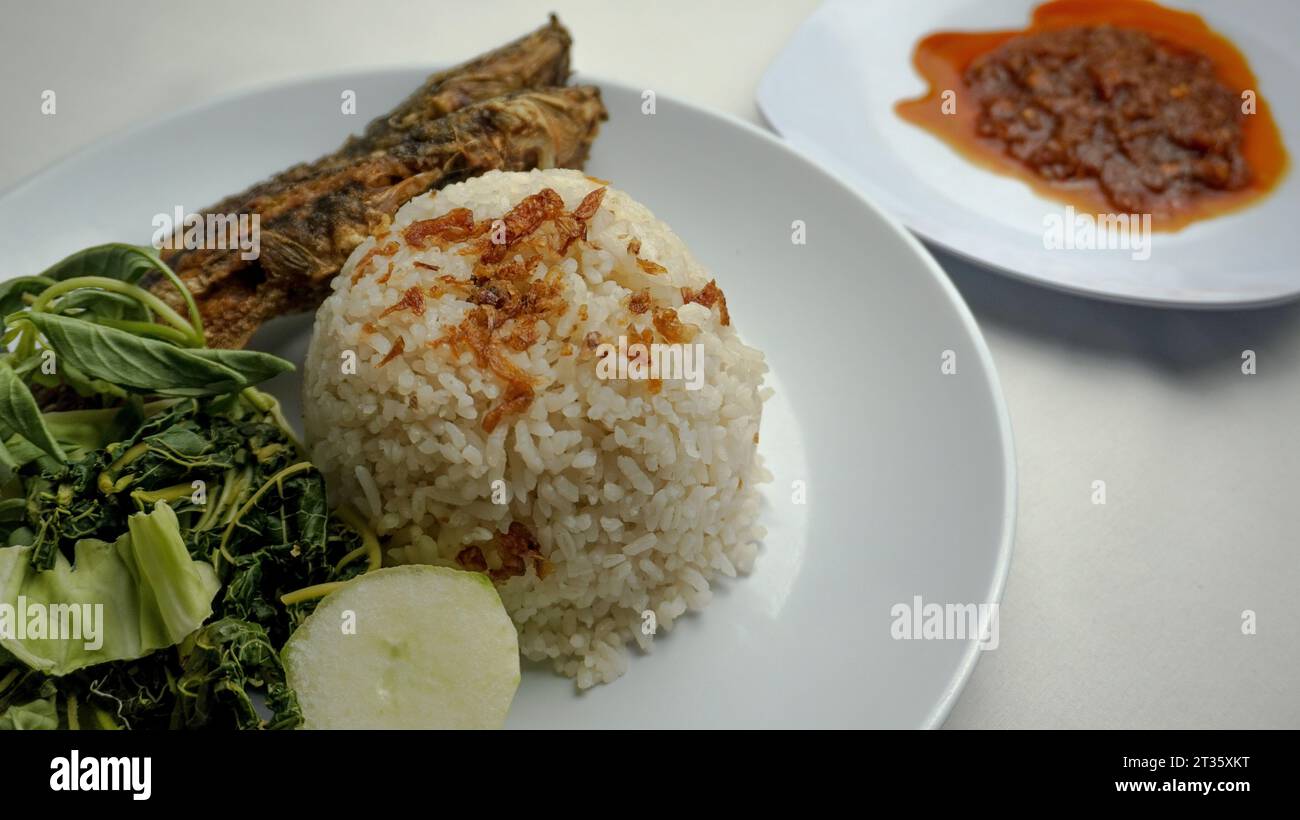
[{"x": 1181, "y": 341}]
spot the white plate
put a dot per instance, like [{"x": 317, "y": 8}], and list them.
[
  {"x": 910, "y": 486},
  {"x": 831, "y": 93}
]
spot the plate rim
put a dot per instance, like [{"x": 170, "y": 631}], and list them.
[{"x": 1010, "y": 485}]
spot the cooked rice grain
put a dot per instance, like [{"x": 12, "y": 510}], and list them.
[{"x": 632, "y": 496}]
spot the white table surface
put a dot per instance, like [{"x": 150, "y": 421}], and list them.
[{"x": 1122, "y": 615}]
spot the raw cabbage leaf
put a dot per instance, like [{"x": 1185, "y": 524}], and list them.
[
  {"x": 153, "y": 595},
  {"x": 38, "y": 714}
]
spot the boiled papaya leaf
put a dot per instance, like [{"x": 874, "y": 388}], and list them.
[
  {"x": 223, "y": 662},
  {"x": 283, "y": 543},
  {"x": 64, "y": 506}
]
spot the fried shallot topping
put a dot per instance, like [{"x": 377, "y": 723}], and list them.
[
  {"x": 645, "y": 338},
  {"x": 471, "y": 558},
  {"x": 709, "y": 295},
  {"x": 524, "y": 336},
  {"x": 563, "y": 231},
  {"x": 387, "y": 249},
  {"x": 670, "y": 327},
  {"x": 511, "y": 269},
  {"x": 531, "y": 300},
  {"x": 519, "y": 223},
  {"x": 394, "y": 351},
  {"x": 652, "y": 268},
  {"x": 475, "y": 334},
  {"x": 412, "y": 300},
  {"x": 537, "y": 229},
  {"x": 519, "y": 396},
  {"x": 539, "y": 222},
  {"x": 456, "y": 225},
  {"x": 589, "y": 205},
  {"x": 639, "y": 302},
  {"x": 515, "y": 547}
]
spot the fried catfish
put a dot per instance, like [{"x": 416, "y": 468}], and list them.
[{"x": 506, "y": 110}]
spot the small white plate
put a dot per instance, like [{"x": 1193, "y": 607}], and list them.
[
  {"x": 909, "y": 472},
  {"x": 831, "y": 94}
]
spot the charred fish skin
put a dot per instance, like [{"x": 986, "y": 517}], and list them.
[
  {"x": 314, "y": 219},
  {"x": 457, "y": 125},
  {"x": 539, "y": 59}
]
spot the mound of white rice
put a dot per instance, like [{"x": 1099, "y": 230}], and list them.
[{"x": 636, "y": 494}]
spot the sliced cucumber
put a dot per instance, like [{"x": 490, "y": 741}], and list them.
[{"x": 413, "y": 647}]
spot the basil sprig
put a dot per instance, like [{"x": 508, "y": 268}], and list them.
[
  {"x": 150, "y": 365},
  {"x": 87, "y": 323}
]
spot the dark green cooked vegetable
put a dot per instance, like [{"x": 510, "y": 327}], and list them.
[{"x": 112, "y": 408}]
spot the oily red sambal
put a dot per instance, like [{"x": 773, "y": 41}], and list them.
[{"x": 1108, "y": 105}]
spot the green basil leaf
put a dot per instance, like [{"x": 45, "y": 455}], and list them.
[
  {"x": 20, "y": 413},
  {"x": 127, "y": 263},
  {"x": 116, "y": 260},
  {"x": 254, "y": 366},
  {"x": 123, "y": 359}
]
